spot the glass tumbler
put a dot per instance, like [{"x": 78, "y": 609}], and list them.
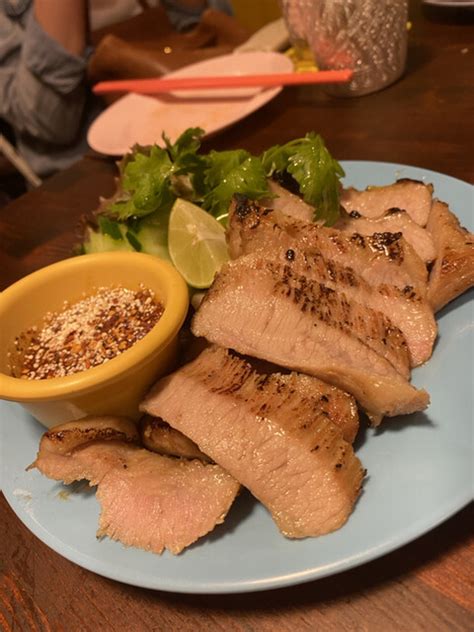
[{"x": 368, "y": 36}]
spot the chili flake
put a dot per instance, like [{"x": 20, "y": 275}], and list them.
[{"x": 87, "y": 333}]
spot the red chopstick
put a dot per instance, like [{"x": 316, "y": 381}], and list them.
[{"x": 155, "y": 86}]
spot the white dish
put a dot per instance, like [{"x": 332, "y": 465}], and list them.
[
  {"x": 142, "y": 119},
  {"x": 419, "y": 473}
]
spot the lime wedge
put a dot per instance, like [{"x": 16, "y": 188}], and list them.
[{"x": 196, "y": 243}]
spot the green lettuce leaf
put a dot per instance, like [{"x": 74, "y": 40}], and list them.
[
  {"x": 229, "y": 172},
  {"x": 110, "y": 227},
  {"x": 153, "y": 177},
  {"x": 187, "y": 162},
  {"x": 314, "y": 169},
  {"x": 147, "y": 179}
]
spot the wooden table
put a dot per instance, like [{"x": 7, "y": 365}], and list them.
[{"x": 426, "y": 119}]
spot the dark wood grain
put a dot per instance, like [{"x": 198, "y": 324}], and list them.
[
  {"x": 426, "y": 585},
  {"x": 425, "y": 119}
]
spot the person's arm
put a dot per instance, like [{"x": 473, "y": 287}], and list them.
[
  {"x": 184, "y": 14},
  {"x": 65, "y": 21},
  {"x": 42, "y": 82}
]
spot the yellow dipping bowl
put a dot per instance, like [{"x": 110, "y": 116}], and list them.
[{"x": 113, "y": 388}]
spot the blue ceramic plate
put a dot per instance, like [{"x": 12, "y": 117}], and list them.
[{"x": 419, "y": 474}]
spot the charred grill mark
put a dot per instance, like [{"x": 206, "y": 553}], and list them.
[
  {"x": 314, "y": 297},
  {"x": 451, "y": 262},
  {"x": 331, "y": 269},
  {"x": 335, "y": 311},
  {"x": 394, "y": 335},
  {"x": 351, "y": 277},
  {"x": 58, "y": 436},
  {"x": 228, "y": 390},
  {"x": 280, "y": 387},
  {"x": 90, "y": 434},
  {"x": 248, "y": 212},
  {"x": 358, "y": 240},
  {"x": 409, "y": 292},
  {"x": 327, "y": 291},
  {"x": 340, "y": 243},
  {"x": 244, "y": 206},
  {"x": 298, "y": 293},
  {"x": 306, "y": 305},
  {"x": 240, "y": 372},
  {"x": 388, "y": 243},
  {"x": 263, "y": 381},
  {"x": 385, "y": 239},
  {"x": 286, "y": 180}
]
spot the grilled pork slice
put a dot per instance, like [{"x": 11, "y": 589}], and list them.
[
  {"x": 160, "y": 437},
  {"x": 383, "y": 258},
  {"x": 394, "y": 221},
  {"x": 160, "y": 502},
  {"x": 409, "y": 195},
  {"x": 90, "y": 461},
  {"x": 263, "y": 309},
  {"x": 61, "y": 455},
  {"x": 333, "y": 310},
  {"x": 288, "y": 203},
  {"x": 331, "y": 314},
  {"x": 320, "y": 398},
  {"x": 405, "y": 309},
  {"x": 149, "y": 501},
  {"x": 453, "y": 271},
  {"x": 268, "y": 435},
  {"x": 65, "y": 437}
]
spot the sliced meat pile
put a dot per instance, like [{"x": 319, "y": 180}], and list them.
[
  {"x": 412, "y": 196},
  {"x": 428, "y": 225},
  {"x": 261, "y": 308},
  {"x": 148, "y": 501},
  {"x": 304, "y": 323},
  {"x": 282, "y": 436},
  {"x": 395, "y": 220},
  {"x": 382, "y": 258},
  {"x": 404, "y": 307}
]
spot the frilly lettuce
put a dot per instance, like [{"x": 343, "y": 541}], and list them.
[{"x": 151, "y": 178}]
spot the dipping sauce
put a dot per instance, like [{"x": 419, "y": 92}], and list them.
[{"x": 86, "y": 334}]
